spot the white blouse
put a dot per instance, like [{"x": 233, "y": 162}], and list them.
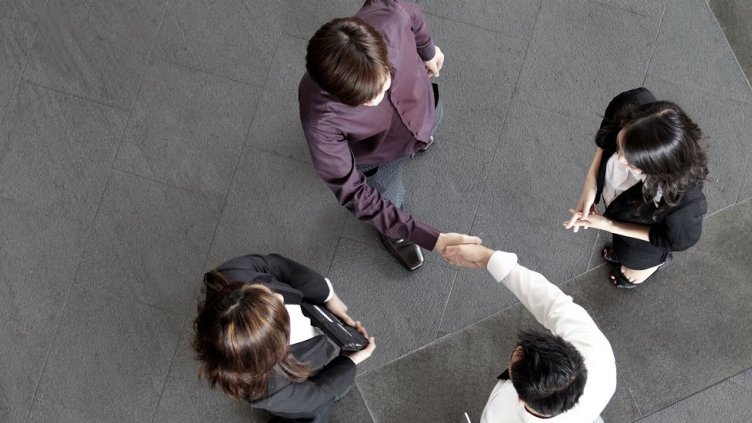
[
  {"x": 619, "y": 178},
  {"x": 300, "y": 326}
]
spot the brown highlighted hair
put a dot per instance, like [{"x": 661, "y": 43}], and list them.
[
  {"x": 348, "y": 58},
  {"x": 241, "y": 336}
]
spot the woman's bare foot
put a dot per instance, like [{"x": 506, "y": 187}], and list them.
[{"x": 638, "y": 276}]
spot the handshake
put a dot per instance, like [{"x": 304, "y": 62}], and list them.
[{"x": 463, "y": 250}]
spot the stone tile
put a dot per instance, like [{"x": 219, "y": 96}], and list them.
[
  {"x": 109, "y": 360},
  {"x": 511, "y": 18},
  {"x": 692, "y": 51},
  {"x": 735, "y": 19},
  {"x": 29, "y": 11},
  {"x": 232, "y": 38},
  {"x": 521, "y": 212},
  {"x": 744, "y": 379},
  {"x": 186, "y": 398},
  {"x": 57, "y": 151},
  {"x": 725, "y": 402},
  {"x": 443, "y": 189},
  {"x": 621, "y": 408},
  {"x": 351, "y": 408},
  {"x": 39, "y": 253},
  {"x": 454, "y": 374},
  {"x": 302, "y": 19},
  {"x": 95, "y": 50},
  {"x": 187, "y": 129},
  {"x": 745, "y": 193},
  {"x": 601, "y": 239},
  {"x": 582, "y": 54},
  {"x": 474, "y": 112},
  {"x": 401, "y": 309},
  {"x": 726, "y": 123},
  {"x": 278, "y": 205},
  {"x": 671, "y": 336},
  {"x": 15, "y": 42},
  {"x": 150, "y": 242},
  {"x": 650, "y": 8},
  {"x": 276, "y": 127}
]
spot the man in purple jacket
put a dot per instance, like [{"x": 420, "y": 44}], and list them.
[{"x": 367, "y": 105}]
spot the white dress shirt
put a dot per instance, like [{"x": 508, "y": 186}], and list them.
[
  {"x": 300, "y": 326},
  {"x": 557, "y": 313}
]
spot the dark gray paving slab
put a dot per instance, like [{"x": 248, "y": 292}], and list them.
[
  {"x": 511, "y": 18},
  {"x": 745, "y": 192},
  {"x": 303, "y": 18},
  {"x": 622, "y": 407},
  {"x": 148, "y": 242},
  {"x": 691, "y": 50},
  {"x": 401, "y": 309},
  {"x": 651, "y": 8},
  {"x": 15, "y": 42},
  {"x": 744, "y": 379},
  {"x": 187, "y": 129},
  {"x": 232, "y": 38},
  {"x": 109, "y": 360},
  {"x": 456, "y": 373},
  {"x": 583, "y": 53},
  {"x": 671, "y": 336},
  {"x": 278, "y": 205},
  {"x": 25, "y": 10},
  {"x": 727, "y": 124},
  {"x": 95, "y": 50},
  {"x": 601, "y": 239},
  {"x": 474, "y": 111},
  {"x": 57, "y": 151},
  {"x": 276, "y": 127},
  {"x": 443, "y": 188},
  {"x": 735, "y": 18},
  {"x": 186, "y": 398},
  {"x": 535, "y": 177},
  {"x": 39, "y": 253},
  {"x": 351, "y": 408},
  {"x": 725, "y": 402}
]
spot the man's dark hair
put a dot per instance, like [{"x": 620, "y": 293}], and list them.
[
  {"x": 348, "y": 59},
  {"x": 549, "y": 373}
]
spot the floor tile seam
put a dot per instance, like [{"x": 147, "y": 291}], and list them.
[
  {"x": 272, "y": 152},
  {"x": 613, "y": 6},
  {"x": 157, "y": 181},
  {"x": 446, "y": 304},
  {"x": 204, "y": 71},
  {"x": 693, "y": 87},
  {"x": 76, "y": 96},
  {"x": 479, "y": 27},
  {"x": 728, "y": 44},
  {"x": 365, "y": 401},
  {"x": 58, "y": 320},
  {"x": 244, "y": 149},
  {"x": 630, "y": 392},
  {"x": 655, "y": 42}
]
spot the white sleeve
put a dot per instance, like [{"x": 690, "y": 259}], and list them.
[{"x": 331, "y": 289}]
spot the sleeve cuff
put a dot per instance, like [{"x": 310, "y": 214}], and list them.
[
  {"x": 424, "y": 235},
  {"x": 501, "y": 264},
  {"x": 331, "y": 289},
  {"x": 428, "y": 52}
]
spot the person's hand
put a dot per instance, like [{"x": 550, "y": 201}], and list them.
[
  {"x": 592, "y": 221},
  {"x": 473, "y": 256},
  {"x": 585, "y": 206},
  {"x": 359, "y": 356},
  {"x": 452, "y": 238},
  {"x": 434, "y": 65},
  {"x": 339, "y": 309}
]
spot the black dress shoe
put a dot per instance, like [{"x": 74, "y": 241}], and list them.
[{"x": 406, "y": 252}]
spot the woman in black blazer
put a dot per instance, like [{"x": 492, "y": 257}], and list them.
[
  {"x": 649, "y": 167},
  {"x": 243, "y": 339}
]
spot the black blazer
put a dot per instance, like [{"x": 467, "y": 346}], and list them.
[
  {"x": 674, "y": 229},
  {"x": 312, "y": 399}
]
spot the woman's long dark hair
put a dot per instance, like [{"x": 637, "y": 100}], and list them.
[
  {"x": 241, "y": 336},
  {"x": 666, "y": 145}
]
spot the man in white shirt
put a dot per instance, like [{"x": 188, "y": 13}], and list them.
[{"x": 565, "y": 375}]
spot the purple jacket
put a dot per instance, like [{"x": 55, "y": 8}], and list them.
[{"x": 341, "y": 136}]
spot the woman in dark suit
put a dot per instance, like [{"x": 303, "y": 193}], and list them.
[
  {"x": 649, "y": 167},
  {"x": 254, "y": 342}
]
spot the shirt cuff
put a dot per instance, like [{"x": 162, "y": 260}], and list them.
[
  {"x": 424, "y": 235},
  {"x": 331, "y": 290},
  {"x": 428, "y": 52},
  {"x": 501, "y": 264}
]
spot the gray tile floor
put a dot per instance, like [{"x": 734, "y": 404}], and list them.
[{"x": 143, "y": 141}]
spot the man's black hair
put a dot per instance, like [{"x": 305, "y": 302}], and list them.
[{"x": 549, "y": 373}]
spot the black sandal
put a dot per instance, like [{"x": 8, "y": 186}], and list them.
[
  {"x": 619, "y": 279},
  {"x": 608, "y": 254}
]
